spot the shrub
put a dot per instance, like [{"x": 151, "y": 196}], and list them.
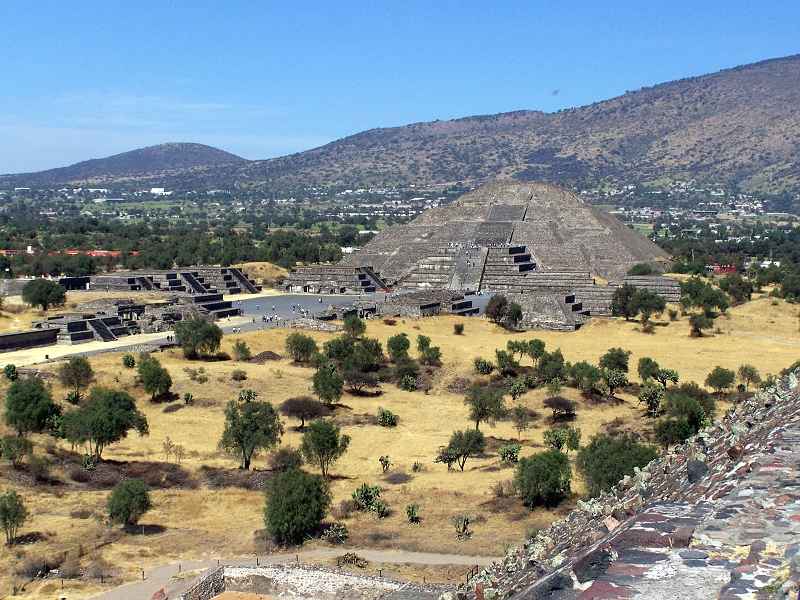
[
  {"x": 543, "y": 479},
  {"x": 366, "y": 496},
  {"x": 562, "y": 407},
  {"x": 387, "y": 418},
  {"x": 458, "y": 328},
  {"x": 247, "y": 395},
  {"x": 720, "y": 379},
  {"x": 286, "y": 458},
  {"x": 432, "y": 355},
  {"x": 15, "y": 448},
  {"x": 187, "y": 398},
  {"x": 155, "y": 378},
  {"x": 606, "y": 460},
  {"x": 328, "y": 384},
  {"x": 10, "y": 372},
  {"x": 300, "y": 347},
  {"x": 295, "y": 503},
  {"x": 483, "y": 367},
  {"x": 559, "y": 438},
  {"x": 38, "y": 467},
  {"x": 353, "y": 326},
  {"x": 462, "y": 445},
  {"x": 673, "y": 314},
  {"x": 73, "y": 397},
  {"x": 385, "y": 463},
  {"x": 504, "y": 489},
  {"x": 357, "y": 380},
  {"x": 239, "y": 375},
  {"x": 336, "y": 533},
  {"x": 505, "y": 360},
  {"x": 405, "y": 366},
  {"x": 128, "y": 361},
  {"x": 128, "y": 501},
  {"x": 411, "y": 513},
  {"x": 615, "y": 359},
  {"x": 416, "y": 467},
  {"x": 240, "y": 350},
  {"x": 29, "y": 406},
  {"x": 303, "y": 408},
  {"x": 651, "y": 395},
  {"x": 409, "y": 384},
  {"x": 672, "y": 431},
  {"x": 397, "y": 346},
  {"x": 461, "y": 524},
  {"x": 510, "y": 452}
]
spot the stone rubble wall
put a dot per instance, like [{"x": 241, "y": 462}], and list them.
[
  {"x": 659, "y": 506},
  {"x": 206, "y": 588}
]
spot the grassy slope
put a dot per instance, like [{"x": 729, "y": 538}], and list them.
[{"x": 221, "y": 522}]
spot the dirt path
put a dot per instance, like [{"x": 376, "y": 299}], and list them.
[{"x": 164, "y": 577}]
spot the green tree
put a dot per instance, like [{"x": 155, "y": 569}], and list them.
[
  {"x": 543, "y": 479},
  {"x": 698, "y": 322},
  {"x": 76, "y": 373},
  {"x": 641, "y": 269},
  {"x": 300, "y": 347},
  {"x": 128, "y": 501},
  {"x": 241, "y": 352},
  {"x": 295, "y": 503},
  {"x": 397, "y": 346},
  {"x": 367, "y": 355},
  {"x": 505, "y": 360},
  {"x": 249, "y": 428},
  {"x": 353, "y": 326},
  {"x": 615, "y": 359},
  {"x": 461, "y": 446},
  {"x": 521, "y": 420},
  {"x": 614, "y": 379},
  {"x": 43, "y": 293},
  {"x": 156, "y": 380},
  {"x": 606, "y": 460},
  {"x": 648, "y": 368},
  {"x": 328, "y": 384},
  {"x": 552, "y": 366},
  {"x": 621, "y": 301},
  {"x": 748, "y": 374},
  {"x": 586, "y": 376},
  {"x": 646, "y": 302},
  {"x": 13, "y": 515},
  {"x": 197, "y": 336},
  {"x": 15, "y": 448},
  {"x": 740, "y": 289},
  {"x": 664, "y": 376},
  {"x": 29, "y": 406},
  {"x": 496, "y": 308},
  {"x": 536, "y": 349},
  {"x": 105, "y": 419},
  {"x": 323, "y": 444},
  {"x": 720, "y": 379},
  {"x": 651, "y": 394},
  {"x": 486, "y": 404}
]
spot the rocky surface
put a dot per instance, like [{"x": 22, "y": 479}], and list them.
[{"x": 716, "y": 517}]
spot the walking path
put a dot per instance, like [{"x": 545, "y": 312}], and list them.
[{"x": 163, "y": 577}]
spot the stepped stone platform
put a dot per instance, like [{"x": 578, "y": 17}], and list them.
[
  {"x": 550, "y": 312},
  {"x": 717, "y": 517},
  {"x": 518, "y": 228},
  {"x": 198, "y": 280},
  {"x": 420, "y": 303},
  {"x": 323, "y": 279}
]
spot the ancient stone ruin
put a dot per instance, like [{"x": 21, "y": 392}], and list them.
[
  {"x": 526, "y": 239},
  {"x": 717, "y": 517}
]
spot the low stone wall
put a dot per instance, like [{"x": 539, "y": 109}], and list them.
[
  {"x": 28, "y": 339},
  {"x": 309, "y": 324},
  {"x": 208, "y": 587}
]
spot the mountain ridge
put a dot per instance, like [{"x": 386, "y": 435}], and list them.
[{"x": 739, "y": 127}]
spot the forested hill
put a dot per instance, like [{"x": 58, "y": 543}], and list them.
[{"x": 735, "y": 127}]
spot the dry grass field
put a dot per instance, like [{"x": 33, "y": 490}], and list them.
[{"x": 206, "y": 507}]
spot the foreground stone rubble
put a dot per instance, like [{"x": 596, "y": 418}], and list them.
[{"x": 716, "y": 517}]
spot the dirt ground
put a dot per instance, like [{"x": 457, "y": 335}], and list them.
[{"x": 206, "y": 507}]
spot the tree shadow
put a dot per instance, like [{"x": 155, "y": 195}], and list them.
[{"x": 143, "y": 529}]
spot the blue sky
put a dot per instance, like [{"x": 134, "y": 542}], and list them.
[{"x": 88, "y": 79}]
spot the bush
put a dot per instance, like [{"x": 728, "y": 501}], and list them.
[
  {"x": 240, "y": 350},
  {"x": 405, "y": 366},
  {"x": 12, "y": 515},
  {"x": 505, "y": 360},
  {"x": 239, "y": 375},
  {"x": 387, "y": 418},
  {"x": 458, "y": 328},
  {"x": 328, "y": 384},
  {"x": 483, "y": 367},
  {"x": 543, "y": 479},
  {"x": 357, "y": 380},
  {"x": 336, "y": 534},
  {"x": 156, "y": 380},
  {"x": 353, "y": 326},
  {"x": 29, "y": 406},
  {"x": 303, "y": 408},
  {"x": 286, "y": 458},
  {"x": 409, "y": 384},
  {"x": 300, "y": 347},
  {"x": 720, "y": 379},
  {"x": 562, "y": 407},
  {"x": 385, "y": 463},
  {"x": 651, "y": 395},
  {"x": 15, "y": 448},
  {"x": 559, "y": 438},
  {"x": 606, "y": 460},
  {"x": 641, "y": 269},
  {"x": 411, "y": 512},
  {"x": 10, "y": 372},
  {"x": 366, "y": 496},
  {"x": 397, "y": 346},
  {"x": 672, "y": 431},
  {"x": 295, "y": 503},
  {"x": 128, "y": 361},
  {"x": 38, "y": 467},
  {"x": 462, "y": 445},
  {"x": 128, "y": 501},
  {"x": 510, "y": 452}
]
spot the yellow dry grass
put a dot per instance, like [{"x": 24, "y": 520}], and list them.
[
  {"x": 208, "y": 522},
  {"x": 264, "y": 273}
]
